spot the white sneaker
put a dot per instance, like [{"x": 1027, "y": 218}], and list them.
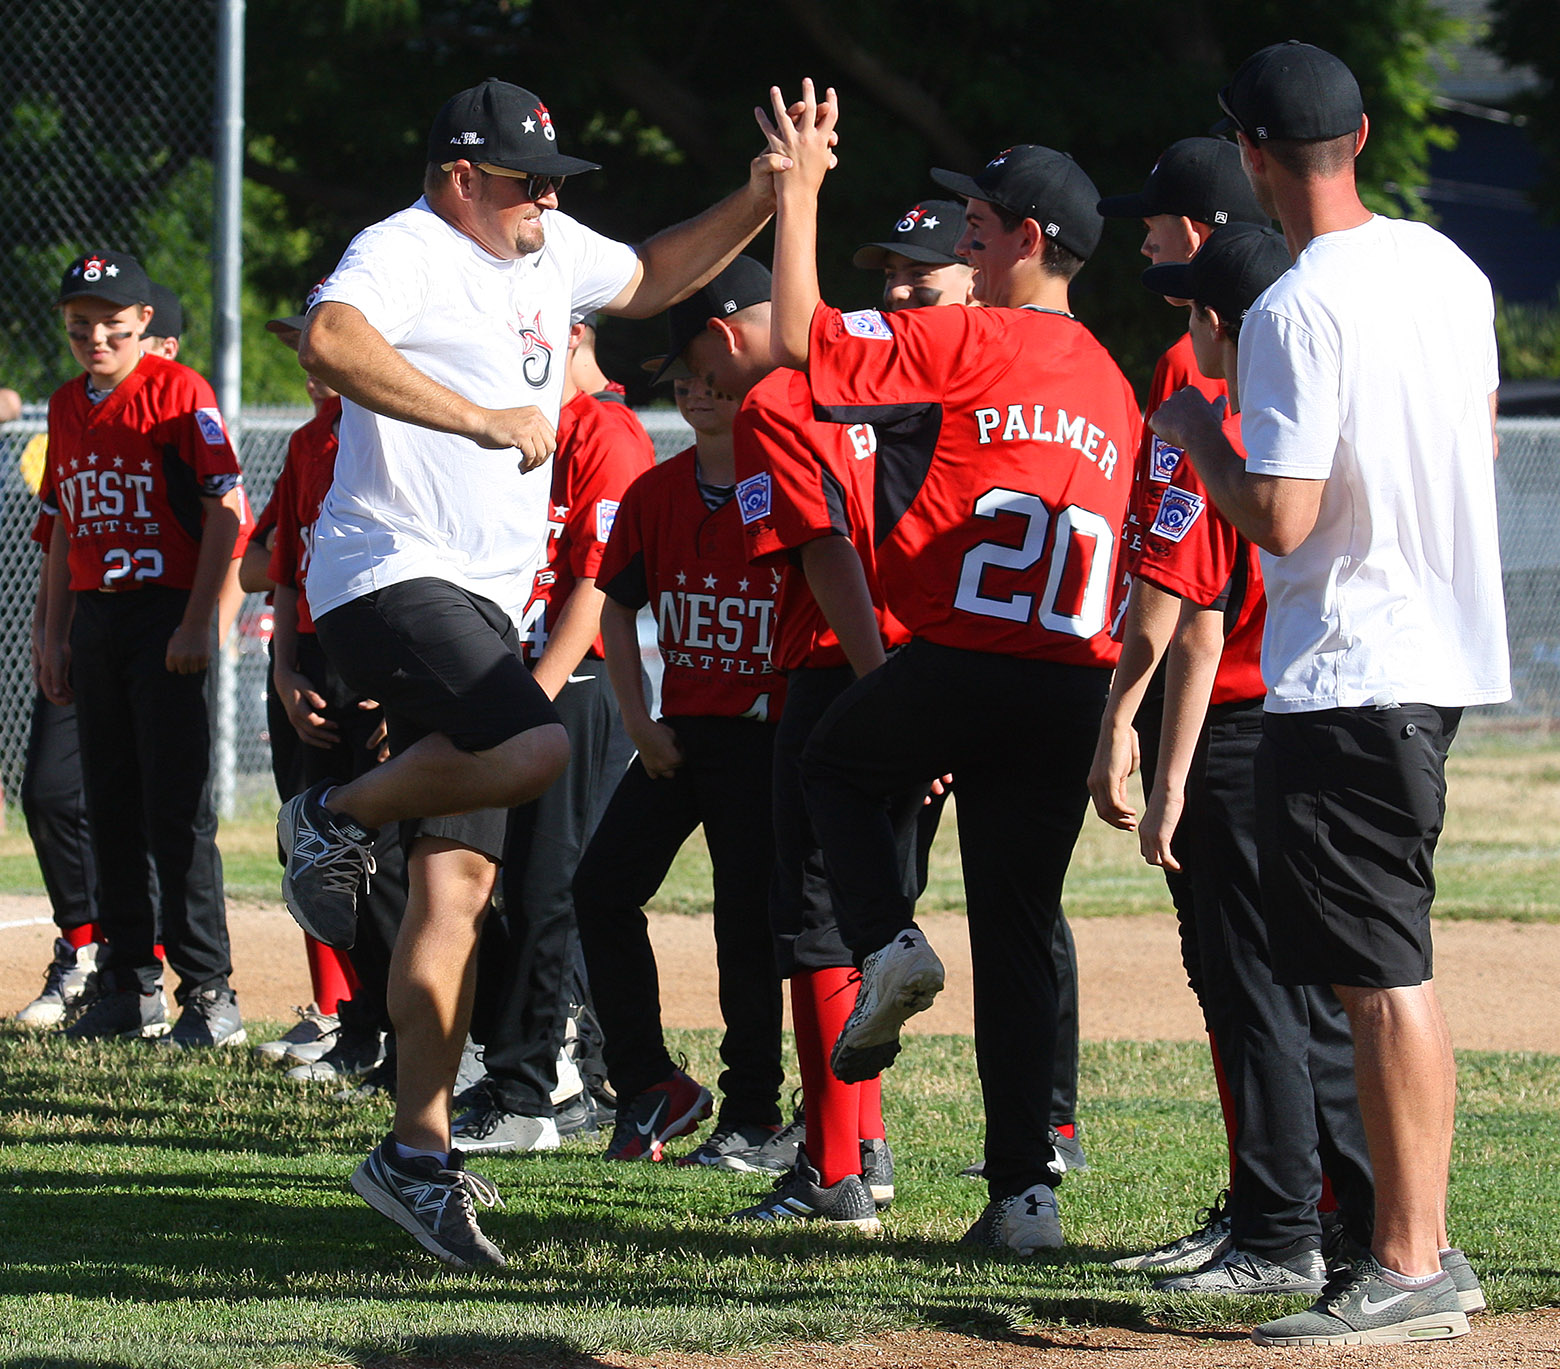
[
  {"x": 897, "y": 982},
  {"x": 313, "y": 1033},
  {"x": 68, "y": 984},
  {"x": 1023, "y": 1224}
]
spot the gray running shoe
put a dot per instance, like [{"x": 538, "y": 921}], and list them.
[
  {"x": 328, "y": 858},
  {"x": 490, "y": 1126},
  {"x": 877, "y": 1172},
  {"x": 800, "y": 1197},
  {"x": 580, "y": 1115},
  {"x": 432, "y": 1201},
  {"x": 1184, "y": 1254},
  {"x": 729, "y": 1140},
  {"x": 313, "y": 1034},
  {"x": 356, "y": 1052},
  {"x": 777, "y": 1155},
  {"x": 1363, "y": 1307},
  {"x": 125, "y": 1013},
  {"x": 1238, "y": 1272},
  {"x": 1023, "y": 1224},
  {"x": 1069, "y": 1158},
  {"x": 1470, "y": 1295},
  {"x": 68, "y": 983},
  {"x": 210, "y": 1018},
  {"x": 897, "y": 982}
]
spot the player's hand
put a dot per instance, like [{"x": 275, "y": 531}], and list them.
[
  {"x": 305, "y": 709},
  {"x": 189, "y": 650},
  {"x": 1159, "y": 823},
  {"x": 527, "y": 429},
  {"x": 1115, "y": 760},
  {"x": 54, "y": 676},
  {"x": 802, "y": 133},
  {"x": 943, "y": 784},
  {"x": 379, "y": 739},
  {"x": 659, "y": 752},
  {"x": 1187, "y": 419}
]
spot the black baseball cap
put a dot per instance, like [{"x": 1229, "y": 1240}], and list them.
[
  {"x": 1037, "y": 183},
  {"x": 1291, "y": 90},
  {"x": 167, "y": 313},
  {"x": 743, "y": 283},
  {"x": 113, "y": 276},
  {"x": 1198, "y": 178},
  {"x": 294, "y": 322},
  {"x": 1235, "y": 265},
  {"x": 503, "y": 125},
  {"x": 926, "y": 232}
]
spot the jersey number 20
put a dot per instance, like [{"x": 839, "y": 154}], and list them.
[{"x": 1080, "y": 533}]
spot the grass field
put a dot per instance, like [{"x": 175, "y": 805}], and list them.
[{"x": 191, "y": 1213}]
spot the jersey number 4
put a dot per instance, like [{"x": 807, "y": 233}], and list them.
[{"x": 1075, "y": 597}]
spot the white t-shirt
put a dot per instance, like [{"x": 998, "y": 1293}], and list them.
[
  {"x": 1369, "y": 365},
  {"x": 408, "y": 502}
]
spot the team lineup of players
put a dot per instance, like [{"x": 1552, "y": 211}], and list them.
[{"x": 928, "y": 546}]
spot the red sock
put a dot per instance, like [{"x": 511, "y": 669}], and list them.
[
  {"x": 821, "y": 1000},
  {"x": 1226, "y": 1100},
  {"x": 157, "y": 951},
  {"x": 80, "y": 936},
  {"x": 331, "y": 974},
  {"x": 1328, "y": 1202},
  {"x": 869, "y": 1110},
  {"x": 1068, "y": 1129}
]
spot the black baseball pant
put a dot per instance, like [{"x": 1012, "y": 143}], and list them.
[
  {"x": 146, "y": 766},
  {"x": 1287, "y": 1050},
  {"x": 1018, "y": 735},
  {"x": 725, "y": 784},
  {"x": 54, "y": 804}
]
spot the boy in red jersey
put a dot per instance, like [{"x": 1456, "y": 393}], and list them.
[
  {"x": 147, "y": 489},
  {"x": 1287, "y": 1050},
  {"x": 999, "y": 488},
  {"x": 1196, "y": 185},
  {"x": 677, "y": 545}
]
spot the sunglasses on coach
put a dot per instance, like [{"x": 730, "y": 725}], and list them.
[{"x": 537, "y": 186}]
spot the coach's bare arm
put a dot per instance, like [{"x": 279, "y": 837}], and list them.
[
  {"x": 349, "y": 354},
  {"x": 678, "y": 260},
  {"x": 1274, "y": 511}
]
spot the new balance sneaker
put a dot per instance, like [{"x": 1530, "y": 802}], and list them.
[
  {"x": 801, "y": 1197},
  {"x": 327, "y": 858},
  {"x": 435, "y": 1202},
  {"x": 356, "y": 1052},
  {"x": 1023, "y": 1224},
  {"x": 897, "y": 982},
  {"x": 1236, "y": 1271},
  {"x": 733, "y": 1139},
  {"x": 490, "y": 1126},
  {"x": 1470, "y": 1295},
  {"x": 877, "y": 1172},
  {"x": 777, "y": 1155},
  {"x": 68, "y": 983},
  {"x": 313, "y": 1034},
  {"x": 125, "y": 1013},
  {"x": 1184, "y": 1254},
  {"x": 210, "y": 1018},
  {"x": 1069, "y": 1158},
  {"x": 648, "y": 1120},
  {"x": 1366, "y": 1306}
]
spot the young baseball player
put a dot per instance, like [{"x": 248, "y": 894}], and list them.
[
  {"x": 999, "y": 487},
  {"x": 1288, "y": 1051},
  {"x": 677, "y": 545},
  {"x": 528, "y": 974},
  {"x": 146, "y": 489}
]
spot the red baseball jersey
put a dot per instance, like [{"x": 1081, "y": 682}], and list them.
[
  {"x": 602, "y": 449},
  {"x": 799, "y": 480},
  {"x": 714, "y": 613},
  {"x": 300, "y": 490},
  {"x": 1192, "y": 550},
  {"x": 1000, "y": 480},
  {"x": 127, "y": 475}
]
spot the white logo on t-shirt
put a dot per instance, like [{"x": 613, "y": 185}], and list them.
[{"x": 868, "y": 323}]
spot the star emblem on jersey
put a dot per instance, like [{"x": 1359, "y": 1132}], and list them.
[
  {"x": 709, "y": 582},
  {"x": 1179, "y": 511},
  {"x": 682, "y": 579}
]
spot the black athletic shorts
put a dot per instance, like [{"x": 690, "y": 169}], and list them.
[
  {"x": 439, "y": 659},
  {"x": 1350, "y": 803}
]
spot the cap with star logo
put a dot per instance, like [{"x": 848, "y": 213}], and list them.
[
  {"x": 503, "y": 125},
  {"x": 1037, "y": 183},
  {"x": 115, "y": 277},
  {"x": 926, "y": 232}
]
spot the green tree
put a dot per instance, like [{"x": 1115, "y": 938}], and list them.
[{"x": 1526, "y": 33}]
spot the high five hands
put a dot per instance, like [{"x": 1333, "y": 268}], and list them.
[{"x": 802, "y": 134}]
